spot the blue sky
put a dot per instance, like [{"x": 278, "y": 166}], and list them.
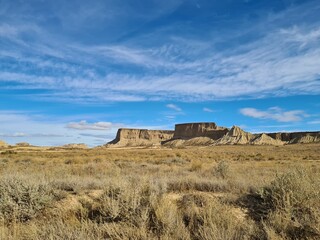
[{"x": 76, "y": 71}]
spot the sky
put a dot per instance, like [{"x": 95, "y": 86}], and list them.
[{"x": 75, "y": 71}]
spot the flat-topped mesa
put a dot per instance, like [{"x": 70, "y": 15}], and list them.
[
  {"x": 203, "y": 129},
  {"x": 140, "y": 137},
  {"x": 206, "y": 134}
]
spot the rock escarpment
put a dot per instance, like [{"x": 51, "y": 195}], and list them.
[
  {"x": 140, "y": 137},
  {"x": 236, "y": 136},
  {"x": 23, "y": 144},
  {"x": 296, "y": 137},
  {"x": 193, "y": 130},
  {"x": 264, "y": 139},
  {"x": 206, "y": 134}
]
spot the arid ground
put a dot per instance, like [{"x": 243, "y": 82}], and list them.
[{"x": 220, "y": 192}]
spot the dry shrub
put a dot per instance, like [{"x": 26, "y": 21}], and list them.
[
  {"x": 294, "y": 206},
  {"x": 220, "y": 223},
  {"x": 136, "y": 211},
  {"x": 196, "y": 165},
  {"x": 21, "y": 200},
  {"x": 222, "y": 170},
  {"x": 207, "y": 218},
  {"x": 181, "y": 185}
]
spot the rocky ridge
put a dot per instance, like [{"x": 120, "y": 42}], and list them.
[
  {"x": 140, "y": 137},
  {"x": 264, "y": 139},
  {"x": 206, "y": 134}
]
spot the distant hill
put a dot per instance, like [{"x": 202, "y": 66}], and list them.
[
  {"x": 3, "y": 144},
  {"x": 75, "y": 146},
  {"x": 206, "y": 134}
]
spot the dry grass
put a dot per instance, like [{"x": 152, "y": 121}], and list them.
[{"x": 225, "y": 192}]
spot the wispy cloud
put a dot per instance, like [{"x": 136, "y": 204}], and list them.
[
  {"x": 84, "y": 125},
  {"x": 33, "y": 135},
  {"x": 314, "y": 122},
  {"x": 281, "y": 60},
  {"x": 205, "y": 109},
  {"x": 275, "y": 113},
  {"x": 39, "y": 129},
  {"x": 14, "y": 135},
  {"x": 174, "y": 107}
]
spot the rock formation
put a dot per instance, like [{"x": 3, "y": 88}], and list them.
[
  {"x": 206, "y": 134},
  {"x": 307, "y": 138},
  {"x": 23, "y": 144},
  {"x": 264, "y": 139},
  {"x": 140, "y": 137},
  {"x": 192, "y": 130},
  {"x": 236, "y": 136},
  {"x": 296, "y": 137},
  {"x": 197, "y": 141}
]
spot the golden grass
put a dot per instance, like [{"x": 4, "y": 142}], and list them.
[{"x": 224, "y": 192}]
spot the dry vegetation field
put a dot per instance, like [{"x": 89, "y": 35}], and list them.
[{"x": 223, "y": 192}]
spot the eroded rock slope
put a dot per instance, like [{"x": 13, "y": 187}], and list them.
[{"x": 206, "y": 134}]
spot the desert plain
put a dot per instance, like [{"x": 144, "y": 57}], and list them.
[{"x": 208, "y": 192}]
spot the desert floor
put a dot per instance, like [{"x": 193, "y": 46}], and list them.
[{"x": 222, "y": 192}]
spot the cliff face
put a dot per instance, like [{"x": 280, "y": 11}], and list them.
[
  {"x": 236, "y": 136},
  {"x": 296, "y": 137},
  {"x": 206, "y": 134},
  {"x": 264, "y": 139},
  {"x": 193, "y": 130},
  {"x": 140, "y": 137}
]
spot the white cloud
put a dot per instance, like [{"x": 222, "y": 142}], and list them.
[
  {"x": 84, "y": 125},
  {"x": 205, "y": 109},
  {"x": 284, "y": 61},
  {"x": 174, "y": 107},
  {"x": 304, "y": 38},
  {"x": 33, "y": 135},
  {"x": 251, "y": 73},
  {"x": 275, "y": 113},
  {"x": 14, "y": 135},
  {"x": 16, "y": 126},
  {"x": 314, "y": 122}
]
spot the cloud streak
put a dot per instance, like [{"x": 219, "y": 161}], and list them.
[
  {"x": 174, "y": 107},
  {"x": 275, "y": 113},
  {"x": 282, "y": 61},
  {"x": 39, "y": 129},
  {"x": 205, "y": 109},
  {"x": 84, "y": 125}
]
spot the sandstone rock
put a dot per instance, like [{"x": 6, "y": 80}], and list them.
[
  {"x": 205, "y": 129},
  {"x": 264, "y": 139},
  {"x": 308, "y": 138},
  {"x": 296, "y": 137},
  {"x": 206, "y": 134},
  {"x": 197, "y": 141},
  {"x": 236, "y": 136},
  {"x": 140, "y": 137},
  {"x": 23, "y": 144}
]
